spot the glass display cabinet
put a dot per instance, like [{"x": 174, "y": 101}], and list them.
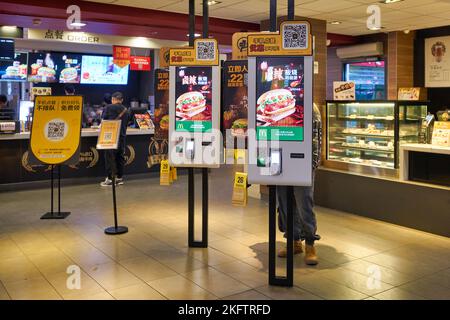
[{"x": 369, "y": 132}]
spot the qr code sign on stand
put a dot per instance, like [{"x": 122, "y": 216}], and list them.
[
  {"x": 206, "y": 50},
  {"x": 107, "y": 136},
  {"x": 56, "y": 130},
  {"x": 295, "y": 36}
]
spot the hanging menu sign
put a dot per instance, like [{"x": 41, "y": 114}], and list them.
[
  {"x": 121, "y": 56},
  {"x": 294, "y": 39},
  {"x": 140, "y": 63},
  {"x": 235, "y": 97},
  {"x": 204, "y": 53}
]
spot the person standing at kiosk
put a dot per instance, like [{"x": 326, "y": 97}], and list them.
[
  {"x": 305, "y": 223},
  {"x": 116, "y": 111}
]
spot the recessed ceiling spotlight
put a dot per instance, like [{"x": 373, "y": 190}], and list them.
[
  {"x": 212, "y": 2},
  {"x": 390, "y": 1},
  {"x": 78, "y": 24},
  {"x": 335, "y": 22},
  {"x": 375, "y": 28},
  {"x": 37, "y": 22},
  {"x": 196, "y": 35}
]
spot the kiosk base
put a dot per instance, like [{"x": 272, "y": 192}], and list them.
[
  {"x": 55, "y": 215},
  {"x": 116, "y": 230}
]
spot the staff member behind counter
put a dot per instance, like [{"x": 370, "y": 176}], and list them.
[{"x": 6, "y": 113}]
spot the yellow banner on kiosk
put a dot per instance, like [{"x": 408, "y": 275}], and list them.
[
  {"x": 294, "y": 39},
  {"x": 239, "y": 197},
  {"x": 204, "y": 53},
  {"x": 56, "y": 129}
]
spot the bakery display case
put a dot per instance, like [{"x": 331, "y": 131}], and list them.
[{"x": 369, "y": 133}]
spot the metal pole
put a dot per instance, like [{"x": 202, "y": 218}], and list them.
[
  {"x": 191, "y": 22},
  {"x": 205, "y": 207},
  {"x": 272, "y": 235},
  {"x": 273, "y": 15},
  {"x": 114, "y": 199},
  {"x": 52, "y": 187},
  {"x": 290, "y": 238},
  {"x": 59, "y": 189},
  {"x": 191, "y": 207},
  {"x": 291, "y": 9},
  {"x": 205, "y": 18}
]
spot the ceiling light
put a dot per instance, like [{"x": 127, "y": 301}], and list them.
[
  {"x": 335, "y": 22},
  {"x": 78, "y": 24},
  {"x": 390, "y": 1},
  {"x": 212, "y": 2},
  {"x": 375, "y": 28},
  {"x": 9, "y": 28},
  {"x": 196, "y": 35}
]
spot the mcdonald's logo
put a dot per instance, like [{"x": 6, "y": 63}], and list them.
[{"x": 180, "y": 126}]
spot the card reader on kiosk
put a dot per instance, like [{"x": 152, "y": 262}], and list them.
[{"x": 194, "y": 110}]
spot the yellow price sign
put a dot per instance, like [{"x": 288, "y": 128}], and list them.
[
  {"x": 239, "y": 197},
  {"x": 165, "y": 176},
  {"x": 56, "y": 129}
]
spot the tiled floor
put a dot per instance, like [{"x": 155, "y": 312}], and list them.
[{"x": 359, "y": 258}]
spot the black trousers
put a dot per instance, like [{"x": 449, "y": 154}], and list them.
[{"x": 115, "y": 160}]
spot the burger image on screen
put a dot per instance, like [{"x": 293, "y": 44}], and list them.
[
  {"x": 164, "y": 122},
  {"x": 190, "y": 104},
  {"x": 68, "y": 75},
  {"x": 12, "y": 72},
  {"x": 275, "y": 105},
  {"x": 239, "y": 127}
]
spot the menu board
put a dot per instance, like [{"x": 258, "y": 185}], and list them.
[
  {"x": 6, "y": 49},
  {"x": 102, "y": 70},
  {"x": 193, "y": 99},
  {"x": 161, "y": 117},
  {"x": 69, "y": 68},
  {"x": 280, "y": 93},
  {"x": 15, "y": 70},
  {"x": 42, "y": 67},
  {"x": 235, "y": 97},
  {"x": 437, "y": 62}
]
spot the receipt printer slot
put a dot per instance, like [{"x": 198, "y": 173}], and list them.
[
  {"x": 190, "y": 152},
  {"x": 275, "y": 162}
]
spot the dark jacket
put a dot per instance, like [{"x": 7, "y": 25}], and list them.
[{"x": 113, "y": 112}]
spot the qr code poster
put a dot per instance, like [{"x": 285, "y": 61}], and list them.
[
  {"x": 206, "y": 50},
  {"x": 295, "y": 36},
  {"x": 108, "y": 138},
  {"x": 56, "y": 130}
]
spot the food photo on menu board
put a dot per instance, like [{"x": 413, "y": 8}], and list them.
[
  {"x": 280, "y": 97},
  {"x": 193, "y": 99},
  {"x": 15, "y": 70},
  {"x": 42, "y": 67},
  {"x": 102, "y": 70}
]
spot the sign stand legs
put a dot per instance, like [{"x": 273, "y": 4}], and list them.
[
  {"x": 52, "y": 214},
  {"x": 288, "y": 280},
  {"x": 116, "y": 229},
  {"x": 191, "y": 205}
]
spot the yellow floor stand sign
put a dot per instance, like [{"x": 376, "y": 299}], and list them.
[
  {"x": 165, "y": 174},
  {"x": 240, "y": 189},
  {"x": 173, "y": 173}
]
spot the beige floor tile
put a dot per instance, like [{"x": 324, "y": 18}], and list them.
[
  {"x": 3, "y": 294},
  {"x": 112, "y": 276},
  {"x": 119, "y": 250},
  {"x": 62, "y": 282},
  {"x": 86, "y": 256},
  {"x": 180, "y": 288},
  {"x": 137, "y": 292},
  {"x": 243, "y": 272},
  {"x": 184, "y": 264},
  {"x": 247, "y": 295},
  {"x": 368, "y": 284},
  {"x": 51, "y": 262},
  {"x": 370, "y": 298},
  {"x": 441, "y": 278},
  {"x": 388, "y": 275},
  {"x": 283, "y": 293},
  {"x": 147, "y": 269},
  {"x": 15, "y": 269},
  {"x": 327, "y": 289},
  {"x": 96, "y": 296},
  {"x": 209, "y": 256},
  {"x": 216, "y": 282},
  {"x": 398, "y": 294},
  {"x": 8, "y": 249},
  {"x": 33, "y": 289},
  {"x": 233, "y": 248},
  {"x": 427, "y": 289}
]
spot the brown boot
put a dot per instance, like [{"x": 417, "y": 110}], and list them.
[
  {"x": 310, "y": 256},
  {"x": 297, "y": 249}
]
